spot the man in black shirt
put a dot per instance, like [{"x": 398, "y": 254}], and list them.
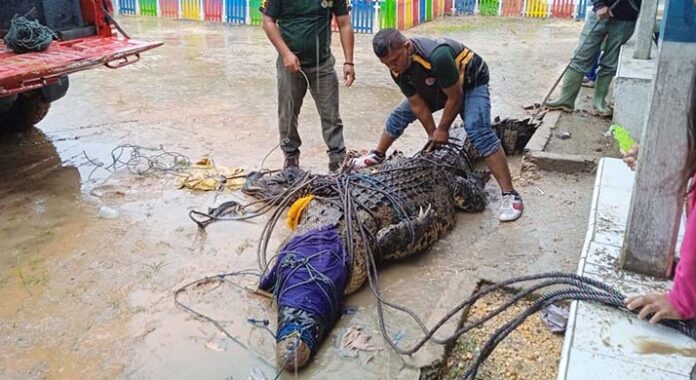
[{"x": 435, "y": 74}]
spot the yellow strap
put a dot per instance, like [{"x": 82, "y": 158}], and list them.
[
  {"x": 420, "y": 60},
  {"x": 296, "y": 211},
  {"x": 463, "y": 62},
  {"x": 461, "y": 55}
]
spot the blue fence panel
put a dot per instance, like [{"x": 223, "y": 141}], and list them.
[
  {"x": 126, "y": 7},
  {"x": 422, "y": 12},
  {"x": 235, "y": 11},
  {"x": 582, "y": 9},
  {"x": 362, "y": 16},
  {"x": 465, "y": 7}
]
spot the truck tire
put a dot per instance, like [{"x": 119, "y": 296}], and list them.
[{"x": 27, "y": 111}]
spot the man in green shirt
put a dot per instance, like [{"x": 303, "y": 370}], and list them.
[
  {"x": 300, "y": 30},
  {"x": 442, "y": 74}
]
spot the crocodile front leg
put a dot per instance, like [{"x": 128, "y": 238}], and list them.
[
  {"x": 468, "y": 193},
  {"x": 406, "y": 237}
]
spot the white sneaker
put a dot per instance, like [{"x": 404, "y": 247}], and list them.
[
  {"x": 367, "y": 160},
  {"x": 511, "y": 208}
]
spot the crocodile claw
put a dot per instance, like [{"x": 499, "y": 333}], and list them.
[{"x": 422, "y": 213}]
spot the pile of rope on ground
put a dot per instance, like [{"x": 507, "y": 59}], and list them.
[
  {"x": 141, "y": 160},
  {"x": 27, "y": 36}
]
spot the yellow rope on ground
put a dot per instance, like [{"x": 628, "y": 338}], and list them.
[
  {"x": 204, "y": 175},
  {"x": 296, "y": 211}
]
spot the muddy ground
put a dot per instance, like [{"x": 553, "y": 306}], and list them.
[{"x": 84, "y": 297}]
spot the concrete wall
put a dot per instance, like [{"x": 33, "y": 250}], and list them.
[{"x": 632, "y": 87}]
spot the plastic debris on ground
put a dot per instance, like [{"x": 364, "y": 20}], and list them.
[
  {"x": 357, "y": 340},
  {"x": 563, "y": 135},
  {"x": 220, "y": 343},
  {"x": 555, "y": 318},
  {"x": 204, "y": 175},
  {"x": 106, "y": 212}
]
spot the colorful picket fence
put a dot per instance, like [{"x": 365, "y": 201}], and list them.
[
  {"x": 536, "y": 8},
  {"x": 169, "y": 8},
  {"x": 367, "y": 16},
  {"x": 488, "y": 7},
  {"x": 562, "y": 8},
  {"x": 362, "y": 16},
  {"x": 127, "y": 7},
  {"x": 148, "y": 7},
  {"x": 212, "y": 10},
  {"x": 465, "y": 7},
  {"x": 387, "y": 14},
  {"x": 512, "y": 8},
  {"x": 581, "y": 10},
  {"x": 255, "y": 15},
  {"x": 236, "y": 11},
  {"x": 191, "y": 9}
]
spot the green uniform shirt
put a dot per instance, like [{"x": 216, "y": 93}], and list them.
[{"x": 306, "y": 26}]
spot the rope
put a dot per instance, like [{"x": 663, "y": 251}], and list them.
[
  {"x": 140, "y": 160},
  {"x": 27, "y": 36},
  {"x": 217, "y": 278}
]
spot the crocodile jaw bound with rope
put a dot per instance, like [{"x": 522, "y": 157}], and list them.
[{"x": 349, "y": 223}]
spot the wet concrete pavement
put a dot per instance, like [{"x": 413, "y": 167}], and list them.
[{"x": 84, "y": 297}]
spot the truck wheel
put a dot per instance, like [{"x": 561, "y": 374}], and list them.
[{"x": 27, "y": 111}]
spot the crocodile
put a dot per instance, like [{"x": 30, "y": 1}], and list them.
[
  {"x": 400, "y": 209},
  {"x": 355, "y": 220}
]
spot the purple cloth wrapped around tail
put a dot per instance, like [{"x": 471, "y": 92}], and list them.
[{"x": 310, "y": 274}]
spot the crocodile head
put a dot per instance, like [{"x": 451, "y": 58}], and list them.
[{"x": 298, "y": 334}]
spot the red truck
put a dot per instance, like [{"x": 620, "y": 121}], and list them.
[{"x": 87, "y": 38}]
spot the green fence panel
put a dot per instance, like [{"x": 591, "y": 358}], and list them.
[
  {"x": 489, "y": 7},
  {"x": 148, "y": 7},
  {"x": 254, "y": 13},
  {"x": 429, "y": 10},
  {"x": 387, "y": 14}
]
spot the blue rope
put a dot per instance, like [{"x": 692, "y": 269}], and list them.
[{"x": 305, "y": 335}]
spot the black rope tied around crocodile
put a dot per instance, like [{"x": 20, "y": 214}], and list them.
[
  {"x": 27, "y": 36},
  {"x": 340, "y": 190}
]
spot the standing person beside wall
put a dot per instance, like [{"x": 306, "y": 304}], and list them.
[{"x": 614, "y": 20}]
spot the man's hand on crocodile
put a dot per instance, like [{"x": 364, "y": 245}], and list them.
[{"x": 439, "y": 137}]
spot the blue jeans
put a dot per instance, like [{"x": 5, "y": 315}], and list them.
[{"x": 475, "y": 111}]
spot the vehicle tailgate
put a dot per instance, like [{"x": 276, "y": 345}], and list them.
[{"x": 23, "y": 72}]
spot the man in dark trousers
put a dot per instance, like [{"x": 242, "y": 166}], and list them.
[
  {"x": 435, "y": 74},
  {"x": 300, "y": 30},
  {"x": 613, "y": 20}
]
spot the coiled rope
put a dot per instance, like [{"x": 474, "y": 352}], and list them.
[{"x": 27, "y": 36}]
